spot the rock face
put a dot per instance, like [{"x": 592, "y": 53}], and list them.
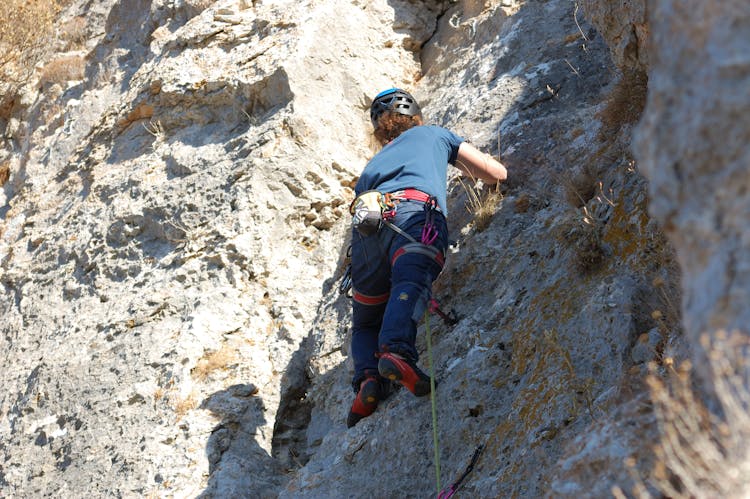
[
  {"x": 625, "y": 26},
  {"x": 694, "y": 144},
  {"x": 175, "y": 223},
  {"x": 170, "y": 227}
]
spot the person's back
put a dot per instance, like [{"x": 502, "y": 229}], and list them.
[{"x": 415, "y": 159}]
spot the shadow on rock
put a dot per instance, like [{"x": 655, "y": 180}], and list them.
[{"x": 238, "y": 465}]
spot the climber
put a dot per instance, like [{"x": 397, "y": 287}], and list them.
[{"x": 399, "y": 239}]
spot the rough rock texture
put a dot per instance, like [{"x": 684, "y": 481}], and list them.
[
  {"x": 693, "y": 140},
  {"x": 170, "y": 224},
  {"x": 174, "y": 225},
  {"x": 624, "y": 24},
  {"x": 694, "y": 144}
]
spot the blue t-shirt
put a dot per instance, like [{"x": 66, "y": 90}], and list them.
[{"x": 417, "y": 159}]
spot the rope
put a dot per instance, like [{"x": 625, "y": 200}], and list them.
[{"x": 435, "y": 442}]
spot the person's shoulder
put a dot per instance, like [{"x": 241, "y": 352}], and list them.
[
  {"x": 430, "y": 129},
  {"x": 434, "y": 132},
  {"x": 439, "y": 131}
]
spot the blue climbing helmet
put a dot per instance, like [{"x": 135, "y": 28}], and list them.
[{"x": 396, "y": 100}]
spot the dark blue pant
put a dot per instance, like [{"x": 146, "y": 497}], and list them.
[{"x": 390, "y": 301}]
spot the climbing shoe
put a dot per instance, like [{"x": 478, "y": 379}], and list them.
[
  {"x": 365, "y": 402},
  {"x": 394, "y": 367}
]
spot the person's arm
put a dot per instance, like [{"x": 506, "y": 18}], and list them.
[{"x": 477, "y": 164}]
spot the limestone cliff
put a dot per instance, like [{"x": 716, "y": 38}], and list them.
[{"x": 174, "y": 226}]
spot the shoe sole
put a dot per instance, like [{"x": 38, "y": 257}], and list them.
[
  {"x": 368, "y": 397},
  {"x": 369, "y": 394},
  {"x": 398, "y": 370}
]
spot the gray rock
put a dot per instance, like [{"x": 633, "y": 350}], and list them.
[{"x": 172, "y": 237}]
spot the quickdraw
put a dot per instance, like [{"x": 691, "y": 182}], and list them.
[
  {"x": 346, "y": 280},
  {"x": 429, "y": 231},
  {"x": 448, "y": 492},
  {"x": 450, "y": 319}
]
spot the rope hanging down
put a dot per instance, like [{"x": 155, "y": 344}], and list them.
[
  {"x": 450, "y": 490},
  {"x": 435, "y": 441}
]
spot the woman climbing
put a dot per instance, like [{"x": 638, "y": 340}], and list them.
[{"x": 399, "y": 241}]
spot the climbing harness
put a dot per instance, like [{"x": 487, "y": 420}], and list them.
[
  {"x": 429, "y": 231},
  {"x": 370, "y": 211},
  {"x": 448, "y": 492}
]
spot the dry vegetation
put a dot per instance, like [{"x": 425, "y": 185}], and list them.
[
  {"x": 186, "y": 404},
  {"x": 482, "y": 205},
  {"x": 4, "y": 173},
  {"x": 702, "y": 452},
  {"x": 26, "y": 27},
  {"x": 584, "y": 229},
  {"x": 703, "y": 447},
  {"x": 63, "y": 69},
  {"x": 213, "y": 361},
  {"x": 625, "y": 103},
  {"x": 73, "y": 33}
]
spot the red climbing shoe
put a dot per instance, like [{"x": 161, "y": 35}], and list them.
[
  {"x": 365, "y": 402},
  {"x": 396, "y": 368}
]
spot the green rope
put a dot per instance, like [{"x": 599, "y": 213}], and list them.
[{"x": 432, "y": 399}]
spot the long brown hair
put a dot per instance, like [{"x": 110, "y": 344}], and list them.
[{"x": 391, "y": 125}]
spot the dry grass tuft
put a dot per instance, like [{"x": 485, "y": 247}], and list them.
[
  {"x": 4, "y": 173},
  {"x": 214, "y": 361},
  {"x": 584, "y": 230},
  {"x": 186, "y": 404},
  {"x": 704, "y": 453},
  {"x": 481, "y": 204},
  {"x": 626, "y": 102},
  {"x": 63, "y": 69},
  {"x": 579, "y": 187}
]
